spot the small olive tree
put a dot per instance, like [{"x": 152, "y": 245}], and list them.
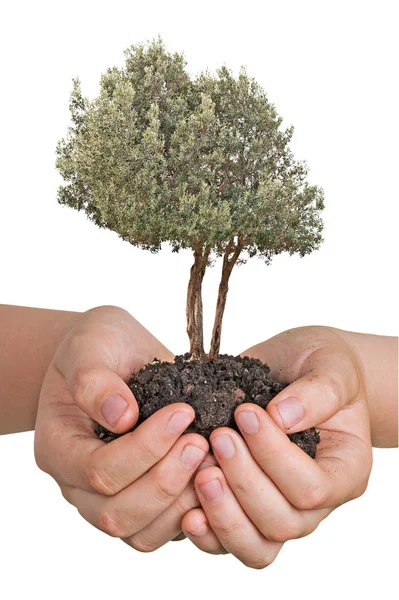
[{"x": 199, "y": 163}]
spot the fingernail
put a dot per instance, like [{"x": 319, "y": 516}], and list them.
[
  {"x": 191, "y": 456},
  {"x": 291, "y": 411},
  {"x": 223, "y": 446},
  {"x": 113, "y": 408},
  {"x": 178, "y": 422},
  {"x": 212, "y": 490},
  {"x": 206, "y": 463},
  {"x": 248, "y": 421},
  {"x": 200, "y": 530}
]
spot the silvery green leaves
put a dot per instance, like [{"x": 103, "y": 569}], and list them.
[{"x": 160, "y": 157}]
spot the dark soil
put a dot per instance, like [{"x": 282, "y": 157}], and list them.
[{"x": 214, "y": 388}]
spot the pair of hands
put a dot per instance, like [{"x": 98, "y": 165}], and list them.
[{"x": 155, "y": 484}]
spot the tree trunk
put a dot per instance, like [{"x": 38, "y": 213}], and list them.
[
  {"x": 228, "y": 265},
  {"x": 194, "y": 304}
]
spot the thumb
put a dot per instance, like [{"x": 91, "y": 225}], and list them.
[
  {"x": 329, "y": 382},
  {"x": 105, "y": 397},
  {"x": 89, "y": 364}
]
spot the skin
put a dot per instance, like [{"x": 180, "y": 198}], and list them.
[
  {"x": 29, "y": 338},
  {"x": 284, "y": 494},
  {"x": 73, "y": 361},
  {"x": 139, "y": 487},
  {"x": 152, "y": 498}
]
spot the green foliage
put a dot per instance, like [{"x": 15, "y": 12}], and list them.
[{"x": 159, "y": 157}]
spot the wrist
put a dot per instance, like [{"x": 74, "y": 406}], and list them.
[{"x": 29, "y": 339}]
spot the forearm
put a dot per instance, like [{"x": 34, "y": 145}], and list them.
[
  {"x": 378, "y": 357},
  {"x": 28, "y": 340}
]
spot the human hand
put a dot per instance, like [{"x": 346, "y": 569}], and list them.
[
  {"x": 137, "y": 487},
  {"x": 266, "y": 490}
]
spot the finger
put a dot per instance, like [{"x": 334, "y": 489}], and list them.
[
  {"x": 307, "y": 483},
  {"x": 276, "y": 518},
  {"x": 97, "y": 358},
  {"x": 139, "y": 504},
  {"x": 209, "y": 461},
  {"x": 167, "y": 526},
  {"x": 95, "y": 387},
  {"x": 329, "y": 381},
  {"x": 229, "y": 522},
  {"x": 196, "y": 528},
  {"x": 74, "y": 458},
  {"x": 124, "y": 460}
]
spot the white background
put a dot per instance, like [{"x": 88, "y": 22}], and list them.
[{"x": 330, "y": 69}]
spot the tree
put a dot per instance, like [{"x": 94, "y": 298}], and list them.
[{"x": 199, "y": 163}]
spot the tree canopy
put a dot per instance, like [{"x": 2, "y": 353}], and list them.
[{"x": 200, "y": 163}]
